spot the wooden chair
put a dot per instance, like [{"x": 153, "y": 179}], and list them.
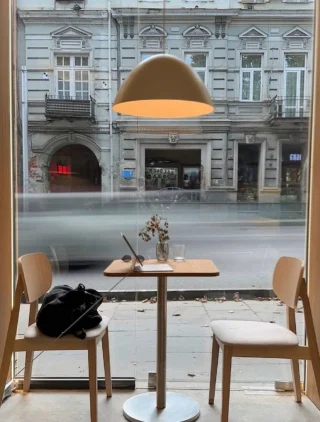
[
  {"x": 265, "y": 340},
  {"x": 34, "y": 280}
]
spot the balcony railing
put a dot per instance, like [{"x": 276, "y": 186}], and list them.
[
  {"x": 69, "y": 108},
  {"x": 290, "y": 107}
]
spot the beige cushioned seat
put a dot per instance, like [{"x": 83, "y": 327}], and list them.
[
  {"x": 33, "y": 333},
  {"x": 253, "y": 333}
]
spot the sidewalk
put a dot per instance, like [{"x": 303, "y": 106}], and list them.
[{"x": 133, "y": 344}]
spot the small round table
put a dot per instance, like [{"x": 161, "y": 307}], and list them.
[{"x": 163, "y": 406}]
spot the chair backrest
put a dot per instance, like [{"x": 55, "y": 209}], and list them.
[
  {"x": 287, "y": 279},
  {"x": 35, "y": 272}
]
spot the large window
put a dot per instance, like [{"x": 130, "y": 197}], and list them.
[
  {"x": 251, "y": 77},
  {"x": 72, "y": 77},
  {"x": 232, "y": 184},
  {"x": 198, "y": 61}
]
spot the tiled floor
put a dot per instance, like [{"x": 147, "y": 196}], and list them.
[{"x": 245, "y": 406}]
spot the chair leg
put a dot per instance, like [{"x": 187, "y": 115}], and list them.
[
  {"x": 27, "y": 371},
  {"x": 93, "y": 383},
  {"x": 106, "y": 362},
  {"x": 226, "y": 379},
  {"x": 296, "y": 379},
  {"x": 214, "y": 368},
  {"x": 315, "y": 360}
]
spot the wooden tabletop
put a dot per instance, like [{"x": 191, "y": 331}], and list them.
[{"x": 187, "y": 268}]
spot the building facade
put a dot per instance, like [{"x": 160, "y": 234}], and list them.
[{"x": 254, "y": 57}]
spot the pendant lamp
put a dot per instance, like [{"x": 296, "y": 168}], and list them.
[{"x": 163, "y": 86}]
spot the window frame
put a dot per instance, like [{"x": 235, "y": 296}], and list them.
[
  {"x": 251, "y": 70},
  {"x": 199, "y": 69},
  {"x": 300, "y": 102},
  {"x": 72, "y": 69}
]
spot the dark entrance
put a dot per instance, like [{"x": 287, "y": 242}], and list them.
[
  {"x": 248, "y": 172},
  {"x": 291, "y": 172},
  {"x": 168, "y": 169},
  {"x": 74, "y": 168}
]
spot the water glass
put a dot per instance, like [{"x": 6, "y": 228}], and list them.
[{"x": 179, "y": 252}]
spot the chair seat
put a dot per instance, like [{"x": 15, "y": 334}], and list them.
[
  {"x": 33, "y": 333},
  {"x": 245, "y": 333}
]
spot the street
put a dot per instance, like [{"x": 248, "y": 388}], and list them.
[{"x": 244, "y": 254}]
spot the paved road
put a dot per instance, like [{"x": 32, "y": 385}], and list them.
[{"x": 244, "y": 254}]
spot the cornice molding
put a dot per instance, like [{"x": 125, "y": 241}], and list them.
[
  {"x": 202, "y": 15},
  {"x": 34, "y": 127},
  {"x": 63, "y": 17}
]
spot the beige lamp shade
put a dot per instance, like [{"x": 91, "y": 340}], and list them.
[{"x": 163, "y": 86}]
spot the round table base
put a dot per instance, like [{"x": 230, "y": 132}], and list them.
[{"x": 143, "y": 408}]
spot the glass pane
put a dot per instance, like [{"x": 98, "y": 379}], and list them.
[
  {"x": 202, "y": 76},
  {"x": 245, "y": 85},
  {"x": 251, "y": 61},
  {"x": 295, "y": 60},
  {"x": 256, "y": 86},
  {"x": 302, "y": 73},
  {"x": 291, "y": 99},
  {"x": 196, "y": 59},
  {"x": 219, "y": 190},
  {"x": 291, "y": 84},
  {"x": 147, "y": 55}
]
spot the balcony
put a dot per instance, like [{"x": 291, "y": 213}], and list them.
[
  {"x": 290, "y": 108},
  {"x": 69, "y": 108}
]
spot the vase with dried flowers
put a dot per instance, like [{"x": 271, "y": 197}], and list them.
[{"x": 157, "y": 226}]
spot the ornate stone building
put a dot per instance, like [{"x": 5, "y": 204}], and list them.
[{"x": 255, "y": 59}]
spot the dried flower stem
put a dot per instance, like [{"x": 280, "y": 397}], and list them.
[{"x": 153, "y": 227}]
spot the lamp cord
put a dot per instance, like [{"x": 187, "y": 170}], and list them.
[{"x": 164, "y": 26}]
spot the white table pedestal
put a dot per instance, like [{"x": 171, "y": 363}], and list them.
[{"x": 143, "y": 408}]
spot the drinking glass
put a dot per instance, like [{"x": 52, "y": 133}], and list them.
[{"x": 179, "y": 252}]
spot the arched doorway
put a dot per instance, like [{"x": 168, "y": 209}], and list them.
[{"x": 74, "y": 168}]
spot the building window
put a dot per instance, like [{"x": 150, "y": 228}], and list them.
[
  {"x": 198, "y": 61},
  {"x": 295, "y": 71},
  {"x": 72, "y": 77},
  {"x": 251, "y": 77},
  {"x": 145, "y": 56}
]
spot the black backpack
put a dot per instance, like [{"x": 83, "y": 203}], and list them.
[{"x": 63, "y": 306}]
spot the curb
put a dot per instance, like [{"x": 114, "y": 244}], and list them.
[
  {"x": 263, "y": 222},
  {"x": 173, "y": 295}
]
